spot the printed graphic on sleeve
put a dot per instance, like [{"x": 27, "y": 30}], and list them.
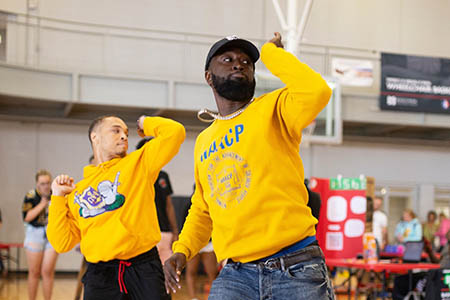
[
  {"x": 229, "y": 178},
  {"x": 95, "y": 202}
]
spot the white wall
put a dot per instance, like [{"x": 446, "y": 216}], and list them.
[
  {"x": 405, "y": 26},
  {"x": 386, "y": 162},
  {"x": 202, "y": 16},
  {"x": 24, "y": 149},
  {"x": 16, "y": 6}
]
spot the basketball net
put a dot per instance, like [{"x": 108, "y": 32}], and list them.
[{"x": 307, "y": 133}]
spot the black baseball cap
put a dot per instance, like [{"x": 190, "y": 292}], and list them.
[{"x": 233, "y": 41}]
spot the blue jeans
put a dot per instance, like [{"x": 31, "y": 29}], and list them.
[
  {"x": 36, "y": 239},
  {"x": 306, "y": 280}
]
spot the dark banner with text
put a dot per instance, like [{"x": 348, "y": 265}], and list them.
[{"x": 415, "y": 83}]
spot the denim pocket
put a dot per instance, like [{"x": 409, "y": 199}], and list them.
[
  {"x": 305, "y": 280},
  {"x": 227, "y": 269},
  {"x": 308, "y": 271},
  {"x": 235, "y": 282}
]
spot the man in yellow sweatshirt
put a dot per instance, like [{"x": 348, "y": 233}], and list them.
[
  {"x": 111, "y": 211},
  {"x": 250, "y": 196}
]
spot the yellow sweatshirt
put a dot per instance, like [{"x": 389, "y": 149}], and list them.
[
  {"x": 249, "y": 176},
  {"x": 111, "y": 212}
]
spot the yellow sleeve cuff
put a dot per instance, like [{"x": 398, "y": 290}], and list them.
[
  {"x": 148, "y": 130},
  {"x": 266, "y": 49},
  {"x": 180, "y": 248},
  {"x": 268, "y": 45}
]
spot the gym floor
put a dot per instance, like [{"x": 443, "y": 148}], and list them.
[{"x": 14, "y": 287}]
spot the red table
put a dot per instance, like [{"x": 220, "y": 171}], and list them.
[
  {"x": 381, "y": 267},
  {"x": 7, "y": 247},
  {"x": 390, "y": 255}
]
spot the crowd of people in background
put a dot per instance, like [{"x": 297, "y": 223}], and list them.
[
  {"x": 432, "y": 233},
  {"x": 409, "y": 228}
]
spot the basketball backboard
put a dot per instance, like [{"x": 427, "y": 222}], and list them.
[{"x": 327, "y": 127}]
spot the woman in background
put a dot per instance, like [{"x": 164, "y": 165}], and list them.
[
  {"x": 444, "y": 227},
  {"x": 409, "y": 229},
  {"x": 41, "y": 257},
  {"x": 430, "y": 227}
]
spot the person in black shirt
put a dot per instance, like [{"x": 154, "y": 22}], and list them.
[
  {"x": 166, "y": 215},
  {"x": 314, "y": 201},
  {"x": 41, "y": 257},
  {"x": 165, "y": 210}
]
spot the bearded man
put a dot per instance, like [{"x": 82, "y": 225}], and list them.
[{"x": 250, "y": 196}]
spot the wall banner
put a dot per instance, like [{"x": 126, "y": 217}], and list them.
[
  {"x": 352, "y": 72},
  {"x": 415, "y": 83}
]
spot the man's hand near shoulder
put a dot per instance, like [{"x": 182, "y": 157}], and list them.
[
  {"x": 62, "y": 230},
  {"x": 140, "y": 126}
]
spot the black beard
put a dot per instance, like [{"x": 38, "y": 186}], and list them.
[{"x": 241, "y": 90}]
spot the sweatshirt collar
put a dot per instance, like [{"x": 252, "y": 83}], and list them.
[{"x": 91, "y": 169}]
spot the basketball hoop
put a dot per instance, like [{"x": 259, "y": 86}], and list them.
[{"x": 307, "y": 133}]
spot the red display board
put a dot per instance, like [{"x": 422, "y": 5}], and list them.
[{"x": 342, "y": 215}]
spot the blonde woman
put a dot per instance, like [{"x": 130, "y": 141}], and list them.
[
  {"x": 41, "y": 257},
  {"x": 409, "y": 228}
]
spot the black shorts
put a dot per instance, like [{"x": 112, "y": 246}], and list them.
[{"x": 138, "y": 278}]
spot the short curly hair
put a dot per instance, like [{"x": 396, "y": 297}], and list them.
[{"x": 42, "y": 173}]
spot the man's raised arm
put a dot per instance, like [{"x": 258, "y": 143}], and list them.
[
  {"x": 168, "y": 137},
  {"x": 62, "y": 231},
  {"x": 306, "y": 92}
]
